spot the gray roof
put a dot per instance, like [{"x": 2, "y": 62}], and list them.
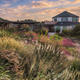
[
  {"x": 65, "y": 14},
  {"x": 24, "y": 22},
  {"x": 67, "y": 23}
]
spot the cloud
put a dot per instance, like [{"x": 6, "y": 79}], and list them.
[
  {"x": 38, "y": 10},
  {"x": 48, "y": 4},
  {"x": 10, "y": 1},
  {"x": 5, "y": 5},
  {"x": 76, "y": 2},
  {"x": 47, "y": 14}
]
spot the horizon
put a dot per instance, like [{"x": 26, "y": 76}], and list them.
[{"x": 39, "y": 10}]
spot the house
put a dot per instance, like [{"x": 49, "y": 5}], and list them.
[
  {"x": 21, "y": 24},
  {"x": 18, "y": 24},
  {"x": 50, "y": 25},
  {"x": 65, "y": 20}
]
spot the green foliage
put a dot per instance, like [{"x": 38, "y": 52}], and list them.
[
  {"x": 78, "y": 33},
  {"x": 56, "y": 37},
  {"x": 1, "y": 19},
  {"x": 75, "y": 65},
  {"x": 43, "y": 55},
  {"x": 76, "y": 29},
  {"x": 26, "y": 28},
  {"x": 53, "y": 30},
  {"x": 28, "y": 20},
  {"x": 40, "y": 62},
  {"x": 12, "y": 29},
  {"x": 4, "y": 73},
  {"x": 43, "y": 31},
  {"x": 61, "y": 34},
  {"x": 58, "y": 30},
  {"x": 66, "y": 32},
  {"x": 74, "y": 32},
  {"x": 7, "y": 33}
]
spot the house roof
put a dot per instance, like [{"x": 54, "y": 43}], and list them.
[
  {"x": 49, "y": 23},
  {"x": 65, "y": 14},
  {"x": 66, "y": 23},
  {"x": 25, "y": 22}
]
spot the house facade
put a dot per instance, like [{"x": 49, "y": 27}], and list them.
[
  {"x": 65, "y": 20},
  {"x": 18, "y": 24}
]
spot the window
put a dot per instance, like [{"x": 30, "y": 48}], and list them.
[
  {"x": 55, "y": 20},
  {"x": 74, "y": 19},
  {"x": 64, "y": 27},
  {"x": 73, "y": 27},
  {"x": 64, "y": 19}
]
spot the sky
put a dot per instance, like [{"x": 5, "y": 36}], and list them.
[{"x": 40, "y": 10}]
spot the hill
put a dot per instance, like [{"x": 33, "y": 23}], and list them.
[{"x": 1, "y": 19}]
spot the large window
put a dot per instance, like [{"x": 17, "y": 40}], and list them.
[
  {"x": 55, "y": 20},
  {"x": 64, "y": 27},
  {"x": 64, "y": 19},
  {"x": 74, "y": 19}
]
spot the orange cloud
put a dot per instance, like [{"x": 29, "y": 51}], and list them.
[
  {"x": 76, "y": 2},
  {"x": 20, "y": 12}
]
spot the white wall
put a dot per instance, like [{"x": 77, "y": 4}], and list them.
[
  {"x": 68, "y": 27},
  {"x": 13, "y": 25},
  {"x": 58, "y": 19},
  {"x": 78, "y": 19},
  {"x": 70, "y": 19},
  {"x": 53, "y": 19}
]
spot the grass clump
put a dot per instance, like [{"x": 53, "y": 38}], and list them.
[{"x": 7, "y": 33}]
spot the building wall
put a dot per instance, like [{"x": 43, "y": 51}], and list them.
[
  {"x": 64, "y": 27},
  {"x": 13, "y": 25},
  {"x": 58, "y": 19},
  {"x": 72, "y": 19}
]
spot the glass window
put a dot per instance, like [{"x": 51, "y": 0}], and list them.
[
  {"x": 55, "y": 20},
  {"x": 64, "y": 27},
  {"x": 74, "y": 19},
  {"x": 73, "y": 27},
  {"x": 64, "y": 19},
  {"x": 58, "y": 27}
]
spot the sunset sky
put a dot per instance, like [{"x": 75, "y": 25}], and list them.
[{"x": 39, "y": 10}]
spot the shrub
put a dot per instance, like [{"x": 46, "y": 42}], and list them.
[
  {"x": 53, "y": 30},
  {"x": 61, "y": 34},
  {"x": 7, "y": 43},
  {"x": 64, "y": 31},
  {"x": 31, "y": 35},
  {"x": 44, "y": 55},
  {"x": 67, "y": 42},
  {"x": 58, "y": 30},
  {"x": 43, "y": 31},
  {"x": 67, "y": 32},
  {"x": 44, "y": 39},
  {"x": 76, "y": 29},
  {"x": 4, "y": 73},
  {"x": 7, "y": 33},
  {"x": 78, "y": 33},
  {"x": 12, "y": 29},
  {"x": 75, "y": 65},
  {"x": 55, "y": 37},
  {"x": 12, "y": 52},
  {"x": 26, "y": 28}
]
